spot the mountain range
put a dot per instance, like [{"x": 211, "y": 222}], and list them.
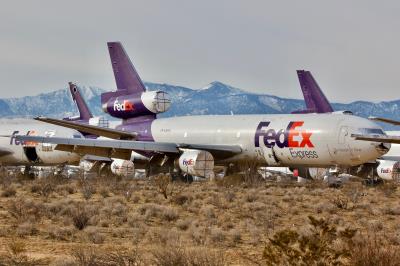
[{"x": 216, "y": 98}]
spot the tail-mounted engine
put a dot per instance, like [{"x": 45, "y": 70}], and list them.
[{"x": 130, "y": 106}]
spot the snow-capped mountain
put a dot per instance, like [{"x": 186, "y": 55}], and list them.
[{"x": 215, "y": 98}]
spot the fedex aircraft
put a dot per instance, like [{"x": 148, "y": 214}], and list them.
[
  {"x": 195, "y": 144},
  {"x": 388, "y": 166},
  {"x": 15, "y": 152},
  {"x": 102, "y": 164}
]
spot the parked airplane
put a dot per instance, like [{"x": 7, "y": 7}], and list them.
[
  {"x": 388, "y": 166},
  {"x": 118, "y": 167},
  {"x": 16, "y": 152},
  {"x": 194, "y": 144}
]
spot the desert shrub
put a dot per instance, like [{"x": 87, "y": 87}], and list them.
[
  {"x": 181, "y": 199},
  {"x": 87, "y": 190},
  {"x": 177, "y": 255},
  {"x": 288, "y": 247},
  {"x": 373, "y": 251},
  {"x": 217, "y": 235},
  {"x": 67, "y": 188},
  {"x": 198, "y": 235},
  {"x": 26, "y": 229},
  {"x": 163, "y": 236},
  {"x": 80, "y": 217},
  {"x": 22, "y": 210},
  {"x": 208, "y": 211},
  {"x": 183, "y": 224},
  {"x": 388, "y": 188},
  {"x": 163, "y": 184},
  {"x": 8, "y": 192},
  {"x": 61, "y": 233},
  {"x": 94, "y": 236},
  {"x": 104, "y": 192},
  {"x": 249, "y": 170},
  {"x": 16, "y": 255},
  {"x": 230, "y": 196},
  {"x": 169, "y": 214},
  {"x": 341, "y": 202},
  {"x": 236, "y": 236}
]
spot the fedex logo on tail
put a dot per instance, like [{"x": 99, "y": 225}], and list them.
[
  {"x": 124, "y": 106},
  {"x": 291, "y": 137}
]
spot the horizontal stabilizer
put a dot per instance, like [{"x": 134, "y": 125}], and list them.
[
  {"x": 93, "y": 130},
  {"x": 385, "y": 120}
]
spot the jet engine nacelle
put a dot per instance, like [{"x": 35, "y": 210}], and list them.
[
  {"x": 197, "y": 163},
  {"x": 389, "y": 170},
  {"x": 99, "y": 121},
  {"x": 145, "y": 103},
  {"x": 123, "y": 168}
]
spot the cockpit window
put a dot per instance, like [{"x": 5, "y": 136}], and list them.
[{"x": 371, "y": 131}]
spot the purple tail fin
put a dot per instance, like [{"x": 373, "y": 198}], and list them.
[
  {"x": 125, "y": 73},
  {"x": 84, "y": 111},
  {"x": 126, "y": 77},
  {"x": 315, "y": 99}
]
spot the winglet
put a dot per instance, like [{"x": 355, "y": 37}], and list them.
[
  {"x": 315, "y": 99},
  {"x": 84, "y": 111}
]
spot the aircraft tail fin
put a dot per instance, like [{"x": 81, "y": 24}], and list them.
[
  {"x": 84, "y": 111},
  {"x": 315, "y": 99},
  {"x": 126, "y": 77}
]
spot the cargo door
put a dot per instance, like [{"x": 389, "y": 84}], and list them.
[
  {"x": 343, "y": 133},
  {"x": 270, "y": 156}
]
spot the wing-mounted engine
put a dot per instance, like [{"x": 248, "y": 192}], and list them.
[
  {"x": 123, "y": 168},
  {"x": 135, "y": 105},
  {"x": 99, "y": 121},
  {"x": 389, "y": 170},
  {"x": 197, "y": 163}
]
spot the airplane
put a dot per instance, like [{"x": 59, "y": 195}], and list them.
[
  {"x": 195, "y": 144},
  {"x": 14, "y": 152},
  {"x": 388, "y": 166},
  {"x": 96, "y": 164}
]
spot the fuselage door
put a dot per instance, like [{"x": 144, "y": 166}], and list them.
[
  {"x": 344, "y": 132},
  {"x": 270, "y": 156}
]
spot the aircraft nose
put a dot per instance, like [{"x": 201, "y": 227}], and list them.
[{"x": 383, "y": 148}]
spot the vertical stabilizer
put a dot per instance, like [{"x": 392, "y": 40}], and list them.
[
  {"x": 315, "y": 99},
  {"x": 126, "y": 77},
  {"x": 84, "y": 111}
]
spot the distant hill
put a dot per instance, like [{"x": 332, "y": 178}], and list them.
[{"x": 216, "y": 98}]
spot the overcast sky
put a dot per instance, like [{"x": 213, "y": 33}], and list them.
[{"x": 351, "y": 47}]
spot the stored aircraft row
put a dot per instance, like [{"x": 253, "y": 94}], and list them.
[{"x": 194, "y": 145}]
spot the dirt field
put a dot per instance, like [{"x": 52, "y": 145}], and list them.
[{"x": 154, "y": 222}]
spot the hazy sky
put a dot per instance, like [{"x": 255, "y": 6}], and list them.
[{"x": 352, "y": 47}]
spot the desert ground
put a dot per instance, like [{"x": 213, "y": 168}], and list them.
[{"x": 232, "y": 221}]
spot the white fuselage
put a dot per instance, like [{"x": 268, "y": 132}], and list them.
[
  {"x": 319, "y": 140},
  {"x": 17, "y": 153}
]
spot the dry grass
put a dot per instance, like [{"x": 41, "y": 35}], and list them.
[{"x": 130, "y": 222}]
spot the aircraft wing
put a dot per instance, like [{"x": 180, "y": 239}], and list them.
[
  {"x": 122, "y": 148},
  {"x": 94, "y": 130},
  {"x": 385, "y": 120},
  {"x": 378, "y": 138}
]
